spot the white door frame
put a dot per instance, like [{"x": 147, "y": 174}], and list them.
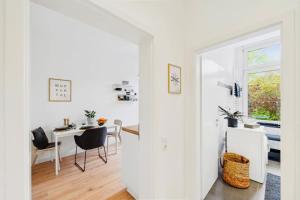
[
  {"x": 2, "y": 167},
  {"x": 289, "y": 108},
  {"x": 14, "y": 103}
]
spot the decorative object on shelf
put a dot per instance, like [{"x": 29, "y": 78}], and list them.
[
  {"x": 236, "y": 170},
  {"x": 231, "y": 117},
  {"x": 101, "y": 121},
  {"x": 60, "y": 90},
  {"x": 174, "y": 79},
  {"x": 90, "y": 116},
  {"x": 66, "y": 121},
  {"x": 127, "y": 92}
]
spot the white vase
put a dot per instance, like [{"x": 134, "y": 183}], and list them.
[{"x": 90, "y": 121}]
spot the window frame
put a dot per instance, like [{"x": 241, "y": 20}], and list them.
[{"x": 246, "y": 70}]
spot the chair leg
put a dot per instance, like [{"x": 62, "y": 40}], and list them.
[
  {"x": 107, "y": 143},
  {"x": 51, "y": 156},
  {"x": 59, "y": 158},
  {"x": 120, "y": 138},
  {"x": 58, "y": 162},
  {"x": 116, "y": 144},
  {"x": 76, "y": 164},
  {"x": 59, "y": 154},
  {"x": 104, "y": 160},
  {"x": 105, "y": 154},
  {"x": 35, "y": 157}
]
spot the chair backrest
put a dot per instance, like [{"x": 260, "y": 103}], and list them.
[
  {"x": 91, "y": 138},
  {"x": 40, "y": 139},
  {"x": 118, "y": 123}
]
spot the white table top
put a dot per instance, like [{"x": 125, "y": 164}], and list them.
[
  {"x": 76, "y": 131},
  {"x": 242, "y": 128}
]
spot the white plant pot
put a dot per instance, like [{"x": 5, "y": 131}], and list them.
[{"x": 90, "y": 121}]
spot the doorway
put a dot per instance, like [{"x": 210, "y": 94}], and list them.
[
  {"x": 91, "y": 14},
  {"x": 216, "y": 83}
]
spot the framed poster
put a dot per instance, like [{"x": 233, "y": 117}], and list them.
[
  {"x": 60, "y": 90},
  {"x": 174, "y": 79}
]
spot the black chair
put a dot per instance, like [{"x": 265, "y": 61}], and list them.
[
  {"x": 41, "y": 143},
  {"x": 91, "y": 139}
]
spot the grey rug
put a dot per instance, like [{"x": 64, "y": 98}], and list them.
[{"x": 272, "y": 187}]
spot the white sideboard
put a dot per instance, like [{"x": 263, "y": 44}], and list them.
[
  {"x": 130, "y": 160},
  {"x": 253, "y": 144}
]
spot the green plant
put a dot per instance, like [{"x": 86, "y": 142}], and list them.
[
  {"x": 264, "y": 95},
  {"x": 228, "y": 114},
  {"x": 90, "y": 114}
]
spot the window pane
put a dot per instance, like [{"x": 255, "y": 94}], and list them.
[
  {"x": 270, "y": 54},
  {"x": 264, "y": 95}
]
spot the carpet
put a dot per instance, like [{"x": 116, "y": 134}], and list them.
[{"x": 272, "y": 187}]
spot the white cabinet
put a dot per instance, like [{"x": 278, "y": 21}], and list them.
[
  {"x": 130, "y": 163},
  {"x": 251, "y": 143}
]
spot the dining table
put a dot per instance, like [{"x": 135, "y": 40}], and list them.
[{"x": 71, "y": 132}]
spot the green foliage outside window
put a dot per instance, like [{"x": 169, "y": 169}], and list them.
[{"x": 264, "y": 95}]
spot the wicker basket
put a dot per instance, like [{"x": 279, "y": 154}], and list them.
[{"x": 236, "y": 170}]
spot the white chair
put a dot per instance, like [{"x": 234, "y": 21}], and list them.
[
  {"x": 41, "y": 144},
  {"x": 51, "y": 149},
  {"x": 115, "y": 134}
]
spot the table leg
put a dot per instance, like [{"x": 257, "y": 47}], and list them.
[
  {"x": 56, "y": 156},
  {"x": 116, "y": 129},
  {"x": 116, "y": 139}
]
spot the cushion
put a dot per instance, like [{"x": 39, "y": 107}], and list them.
[
  {"x": 40, "y": 139},
  {"x": 52, "y": 145},
  {"x": 269, "y": 124}
]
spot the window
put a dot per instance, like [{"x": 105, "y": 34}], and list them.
[
  {"x": 264, "y": 95},
  {"x": 264, "y": 55},
  {"x": 262, "y": 82}
]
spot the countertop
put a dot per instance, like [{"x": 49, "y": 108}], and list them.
[{"x": 131, "y": 129}]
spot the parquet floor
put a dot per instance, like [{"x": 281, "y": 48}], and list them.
[{"x": 100, "y": 181}]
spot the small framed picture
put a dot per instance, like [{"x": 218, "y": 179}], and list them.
[
  {"x": 60, "y": 90},
  {"x": 174, "y": 79}
]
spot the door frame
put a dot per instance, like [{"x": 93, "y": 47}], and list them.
[
  {"x": 15, "y": 98},
  {"x": 289, "y": 107}
]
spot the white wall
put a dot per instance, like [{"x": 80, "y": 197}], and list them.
[
  {"x": 2, "y": 154},
  {"x": 221, "y": 62},
  {"x": 217, "y": 66},
  {"x": 211, "y": 19},
  {"x": 15, "y": 113},
  {"x": 64, "y": 48},
  {"x": 208, "y": 23},
  {"x": 165, "y": 21}
]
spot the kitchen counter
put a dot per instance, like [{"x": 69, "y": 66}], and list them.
[
  {"x": 130, "y": 159},
  {"x": 131, "y": 129}
]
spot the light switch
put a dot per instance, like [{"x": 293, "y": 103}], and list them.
[{"x": 164, "y": 143}]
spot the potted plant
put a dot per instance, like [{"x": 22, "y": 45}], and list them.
[
  {"x": 231, "y": 117},
  {"x": 90, "y": 116}
]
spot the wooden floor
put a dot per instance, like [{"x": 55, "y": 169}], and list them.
[
  {"x": 100, "y": 181},
  {"x": 122, "y": 195}
]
